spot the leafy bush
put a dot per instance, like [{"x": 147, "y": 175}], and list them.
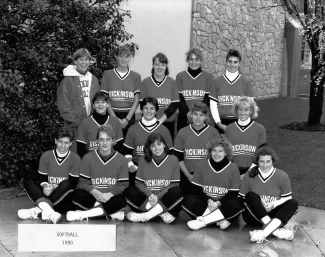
[{"x": 36, "y": 37}]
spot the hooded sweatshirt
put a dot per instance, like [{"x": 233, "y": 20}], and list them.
[{"x": 85, "y": 82}]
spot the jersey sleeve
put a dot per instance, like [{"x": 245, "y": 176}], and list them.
[
  {"x": 129, "y": 141},
  {"x": 117, "y": 129},
  {"x": 176, "y": 173},
  {"x": 43, "y": 167},
  {"x": 105, "y": 82},
  {"x": 137, "y": 82},
  {"x": 245, "y": 185},
  {"x": 262, "y": 136},
  {"x": 75, "y": 166},
  {"x": 286, "y": 186},
  {"x": 179, "y": 142},
  {"x": 179, "y": 82},
  {"x": 235, "y": 180},
  {"x": 249, "y": 88},
  {"x": 215, "y": 133},
  {"x": 85, "y": 167},
  {"x": 175, "y": 93},
  {"x": 166, "y": 135},
  {"x": 209, "y": 83},
  {"x": 214, "y": 91},
  {"x": 143, "y": 89},
  {"x": 81, "y": 133},
  {"x": 141, "y": 165},
  {"x": 123, "y": 174}
]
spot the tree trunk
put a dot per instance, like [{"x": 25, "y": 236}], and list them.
[{"x": 316, "y": 95}]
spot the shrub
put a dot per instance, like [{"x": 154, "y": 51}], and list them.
[{"x": 36, "y": 37}]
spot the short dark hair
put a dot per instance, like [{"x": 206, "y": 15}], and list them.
[
  {"x": 107, "y": 129},
  {"x": 100, "y": 95},
  {"x": 234, "y": 53},
  {"x": 65, "y": 132},
  {"x": 263, "y": 151},
  {"x": 152, "y": 138},
  {"x": 83, "y": 52},
  {"x": 222, "y": 141},
  {"x": 196, "y": 52},
  {"x": 150, "y": 100},
  {"x": 162, "y": 59}
]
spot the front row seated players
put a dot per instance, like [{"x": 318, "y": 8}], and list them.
[
  {"x": 103, "y": 178},
  {"x": 218, "y": 201},
  {"x": 156, "y": 190},
  {"x": 267, "y": 195},
  {"x": 58, "y": 175}
]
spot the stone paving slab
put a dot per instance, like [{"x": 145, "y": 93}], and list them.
[{"x": 158, "y": 239}]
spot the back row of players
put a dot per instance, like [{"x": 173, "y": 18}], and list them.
[{"x": 208, "y": 186}]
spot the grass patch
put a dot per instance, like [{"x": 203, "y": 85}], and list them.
[{"x": 301, "y": 150}]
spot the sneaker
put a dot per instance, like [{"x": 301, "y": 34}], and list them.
[
  {"x": 196, "y": 224},
  {"x": 32, "y": 213},
  {"x": 282, "y": 233},
  {"x": 118, "y": 215},
  {"x": 136, "y": 217},
  {"x": 53, "y": 217},
  {"x": 257, "y": 236},
  {"x": 167, "y": 217},
  {"x": 76, "y": 215},
  {"x": 224, "y": 224}
]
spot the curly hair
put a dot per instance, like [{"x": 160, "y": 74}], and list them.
[
  {"x": 246, "y": 100},
  {"x": 263, "y": 151},
  {"x": 153, "y": 138},
  {"x": 65, "y": 132},
  {"x": 196, "y": 52},
  {"x": 220, "y": 141}
]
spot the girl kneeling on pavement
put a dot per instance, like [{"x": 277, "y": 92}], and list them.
[
  {"x": 103, "y": 178},
  {"x": 156, "y": 191},
  {"x": 219, "y": 178},
  {"x": 58, "y": 176},
  {"x": 267, "y": 196}
]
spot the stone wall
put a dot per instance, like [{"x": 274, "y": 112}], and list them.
[{"x": 251, "y": 27}]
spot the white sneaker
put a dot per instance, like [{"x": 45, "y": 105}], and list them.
[
  {"x": 282, "y": 233},
  {"x": 257, "y": 236},
  {"x": 118, "y": 215},
  {"x": 167, "y": 217},
  {"x": 53, "y": 217},
  {"x": 196, "y": 224},
  {"x": 76, "y": 215},
  {"x": 32, "y": 213},
  {"x": 223, "y": 224},
  {"x": 136, "y": 217}
]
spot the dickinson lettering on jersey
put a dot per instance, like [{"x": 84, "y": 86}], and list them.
[
  {"x": 121, "y": 95},
  {"x": 215, "y": 192},
  {"x": 244, "y": 149},
  {"x": 56, "y": 180},
  {"x": 228, "y": 99},
  {"x": 193, "y": 94}
]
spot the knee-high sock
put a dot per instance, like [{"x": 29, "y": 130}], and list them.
[
  {"x": 206, "y": 212},
  {"x": 153, "y": 212},
  {"x": 94, "y": 212},
  {"x": 213, "y": 217}
]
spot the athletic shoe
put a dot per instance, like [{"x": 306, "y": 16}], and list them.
[
  {"x": 282, "y": 233},
  {"x": 136, "y": 217},
  {"x": 118, "y": 215},
  {"x": 53, "y": 217},
  {"x": 167, "y": 217},
  {"x": 76, "y": 215},
  {"x": 196, "y": 224},
  {"x": 224, "y": 224},
  {"x": 257, "y": 236},
  {"x": 32, "y": 213}
]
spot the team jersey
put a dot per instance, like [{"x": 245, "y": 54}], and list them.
[
  {"x": 194, "y": 145},
  {"x": 226, "y": 93},
  {"x": 157, "y": 176},
  {"x": 104, "y": 175},
  {"x": 194, "y": 89},
  {"x": 121, "y": 90},
  {"x": 87, "y": 131},
  {"x": 216, "y": 184},
  {"x": 165, "y": 93},
  {"x": 270, "y": 189},
  {"x": 57, "y": 171},
  {"x": 245, "y": 142},
  {"x": 137, "y": 135}
]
